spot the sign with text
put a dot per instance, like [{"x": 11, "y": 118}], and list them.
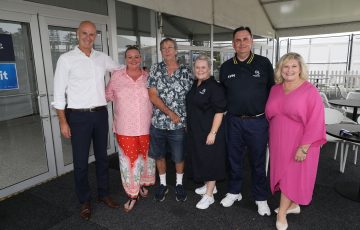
[
  {"x": 8, "y": 76},
  {"x": 6, "y": 48}
]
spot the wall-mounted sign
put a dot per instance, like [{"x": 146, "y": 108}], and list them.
[
  {"x": 8, "y": 76},
  {"x": 6, "y": 48}
]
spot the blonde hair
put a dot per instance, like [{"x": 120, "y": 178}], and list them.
[
  {"x": 203, "y": 57},
  {"x": 284, "y": 59}
]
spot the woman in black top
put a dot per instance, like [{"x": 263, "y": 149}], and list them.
[{"x": 205, "y": 105}]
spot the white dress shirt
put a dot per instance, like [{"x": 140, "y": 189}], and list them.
[{"x": 79, "y": 79}]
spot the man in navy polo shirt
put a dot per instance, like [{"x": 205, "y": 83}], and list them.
[{"x": 247, "y": 79}]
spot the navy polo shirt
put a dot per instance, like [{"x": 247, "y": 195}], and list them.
[{"x": 247, "y": 84}]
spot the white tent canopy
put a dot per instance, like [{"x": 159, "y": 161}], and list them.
[
  {"x": 267, "y": 18},
  {"x": 228, "y": 14}
]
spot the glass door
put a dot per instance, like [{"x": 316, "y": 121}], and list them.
[
  {"x": 26, "y": 147},
  {"x": 59, "y": 36}
]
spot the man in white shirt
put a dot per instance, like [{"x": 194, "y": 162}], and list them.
[{"x": 79, "y": 86}]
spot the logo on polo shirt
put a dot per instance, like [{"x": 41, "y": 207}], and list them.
[
  {"x": 202, "y": 91},
  {"x": 257, "y": 73},
  {"x": 231, "y": 76}
]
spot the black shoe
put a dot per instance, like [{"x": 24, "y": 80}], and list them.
[
  {"x": 180, "y": 193},
  {"x": 161, "y": 192}
]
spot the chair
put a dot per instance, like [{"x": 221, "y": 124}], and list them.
[
  {"x": 343, "y": 91},
  {"x": 355, "y": 149},
  {"x": 333, "y": 85},
  {"x": 328, "y": 105},
  {"x": 325, "y": 100},
  {"x": 352, "y": 95},
  {"x": 333, "y": 116}
]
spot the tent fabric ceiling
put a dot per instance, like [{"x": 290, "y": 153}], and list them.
[
  {"x": 309, "y": 17},
  {"x": 300, "y": 13},
  {"x": 267, "y": 18},
  {"x": 228, "y": 14},
  {"x": 178, "y": 27}
]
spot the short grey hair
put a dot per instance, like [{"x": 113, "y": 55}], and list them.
[{"x": 169, "y": 40}]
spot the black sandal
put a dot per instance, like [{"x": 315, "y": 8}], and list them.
[
  {"x": 143, "y": 191},
  {"x": 131, "y": 200}
]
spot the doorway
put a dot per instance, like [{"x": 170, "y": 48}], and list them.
[{"x": 31, "y": 147}]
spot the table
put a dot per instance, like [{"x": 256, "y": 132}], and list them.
[
  {"x": 350, "y": 190},
  {"x": 348, "y": 103}
]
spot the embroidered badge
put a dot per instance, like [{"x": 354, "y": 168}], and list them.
[
  {"x": 202, "y": 91},
  {"x": 231, "y": 76},
  {"x": 257, "y": 73}
]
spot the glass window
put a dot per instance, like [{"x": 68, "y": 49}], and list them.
[
  {"x": 301, "y": 46},
  {"x": 223, "y": 49},
  {"x": 22, "y": 147},
  {"x": 355, "y": 59},
  {"x": 324, "y": 53},
  {"x": 283, "y": 47},
  {"x": 148, "y": 50},
  {"x": 123, "y": 41},
  {"x": 136, "y": 26},
  {"x": 63, "y": 40},
  {"x": 319, "y": 50},
  {"x": 329, "y": 49},
  {"x": 264, "y": 47}
]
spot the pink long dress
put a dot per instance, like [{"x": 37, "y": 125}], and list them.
[{"x": 295, "y": 119}]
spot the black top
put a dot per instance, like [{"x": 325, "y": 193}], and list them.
[
  {"x": 202, "y": 102},
  {"x": 247, "y": 84}
]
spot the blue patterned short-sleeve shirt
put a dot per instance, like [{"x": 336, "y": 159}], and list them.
[{"x": 172, "y": 91}]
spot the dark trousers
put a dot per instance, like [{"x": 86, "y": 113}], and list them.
[
  {"x": 252, "y": 135},
  {"x": 87, "y": 126}
]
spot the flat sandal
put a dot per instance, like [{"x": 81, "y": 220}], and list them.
[
  {"x": 143, "y": 192},
  {"x": 129, "y": 202}
]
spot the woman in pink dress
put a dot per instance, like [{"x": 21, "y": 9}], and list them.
[
  {"x": 297, "y": 130},
  {"x": 132, "y": 116}
]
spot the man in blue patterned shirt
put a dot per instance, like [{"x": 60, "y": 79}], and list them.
[{"x": 168, "y": 84}]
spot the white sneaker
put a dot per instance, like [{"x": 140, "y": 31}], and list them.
[
  {"x": 263, "y": 208},
  {"x": 202, "y": 190},
  {"x": 229, "y": 199},
  {"x": 205, "y": 202}
]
